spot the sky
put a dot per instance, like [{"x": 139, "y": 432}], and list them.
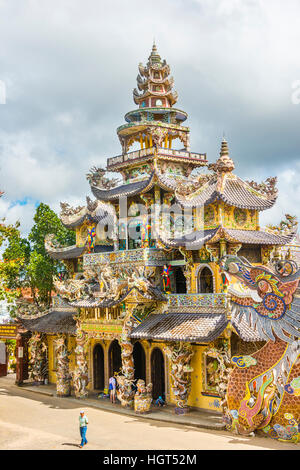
[{"x": 69, "y": 68}]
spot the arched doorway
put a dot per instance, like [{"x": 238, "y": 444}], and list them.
[
  {"x": 180, "y": 281},
  {"x": 205, "y": 281},
  {"x": 114, "y": 354},
  {"x": 98, "y": 360},
  {"x": 158, "y": 373},
  {"x": 139, "y": 359}
]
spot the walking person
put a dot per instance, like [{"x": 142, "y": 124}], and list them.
[
  {"x": 83, "y": 422},
  {"x": 112, "y": 386}
]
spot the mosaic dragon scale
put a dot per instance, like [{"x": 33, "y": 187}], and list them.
[{"x": 263, "y": 392}]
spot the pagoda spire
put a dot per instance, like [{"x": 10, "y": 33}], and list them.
[
  {"x": 155, "y": 84},
  {"x": 155, "y": 123},
  {"x": 224, "y": 164},
  {"x": 154, "y": 56}
]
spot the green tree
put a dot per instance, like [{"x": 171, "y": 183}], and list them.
[{"x": 25, "y": 260}]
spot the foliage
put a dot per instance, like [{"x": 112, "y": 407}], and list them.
[{"x": 26, "y": 263}]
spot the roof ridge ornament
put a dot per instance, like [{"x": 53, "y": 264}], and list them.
[
  {"x": 96, "y": 178},
  {"x": 266, "y": 187},
  {"x": 224, "y": 164}
]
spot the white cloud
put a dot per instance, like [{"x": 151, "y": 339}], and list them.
[{"x": 69, "y": 70}]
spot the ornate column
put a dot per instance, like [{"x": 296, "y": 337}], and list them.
[
  {"x": 180, "y": 355},
  {"x": 38, "y": 357},
  {"x": 80, "y": 374},
  {"x": 21, "y": 354},
  {"x": 187, "y": 271},
  {"x": 221, "y": 352},
  {"x": 125, "y": 392},
  {"x": 146, "y": 220},
  {"x": 63, "y": 386}
]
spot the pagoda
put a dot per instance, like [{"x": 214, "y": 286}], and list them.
[{"x": 143, "y": 295}]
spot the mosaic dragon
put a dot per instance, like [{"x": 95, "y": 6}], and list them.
[{"x": 263, "y": 391}]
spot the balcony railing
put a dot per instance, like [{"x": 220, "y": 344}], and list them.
[
  {"x": 209, "y": 303},
  {"x": 142, "y": 153},
  {"x": 146, "y": 256}
]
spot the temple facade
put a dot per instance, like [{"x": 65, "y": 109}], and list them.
[{"x": 143, "y": 294}]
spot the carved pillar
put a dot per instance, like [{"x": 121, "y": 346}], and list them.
[
  {"x": 180, "y": 355},
  {"x": 146, "y": 218},
  {"x": 220, "y": 378},
  {"x": 125, "y": 392},
  {"x": 80, "y": 374},
  {"x": 214, "y": 251},
  {"x": 39, "y": 357},
  {"x": 222, "y": 248},
  {"x": 21, "y": 354},
  {"x": 187, "y": 271},
  {"x": 63, "y": 386},
  {"x": 106, "y": 364}
]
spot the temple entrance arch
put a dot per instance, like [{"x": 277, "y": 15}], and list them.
[
  {"x": 114, "y": 355},
  {"x": 158, "y": 374},
  {"x": 205, "y": 281},
  {"x": 98, "y": 363},
  {"x": 139, "y": 359}
]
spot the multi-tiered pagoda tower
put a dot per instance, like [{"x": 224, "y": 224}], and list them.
[{"x": 150, "y": 300}]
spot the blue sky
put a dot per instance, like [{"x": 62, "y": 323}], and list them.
[{"x": 70, "y": 66}]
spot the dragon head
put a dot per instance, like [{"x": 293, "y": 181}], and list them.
[{"x": 266, "y": 295}]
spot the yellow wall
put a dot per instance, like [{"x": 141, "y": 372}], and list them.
[{"x": 196, "y": 398}]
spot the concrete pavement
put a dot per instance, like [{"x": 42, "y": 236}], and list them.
[{"x": 36, "y": 421}]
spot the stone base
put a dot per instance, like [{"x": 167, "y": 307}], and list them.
[
  {"x": 63, "y": 395},
  {"x": 181, "y": 411},
  {"x": 142, "y": 405}
]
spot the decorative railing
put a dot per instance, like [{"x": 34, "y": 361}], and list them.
[
  {"x": 137, "y": 154},
  {"x": 146, "y": 256},
  {"x": 209, "y": 303}
]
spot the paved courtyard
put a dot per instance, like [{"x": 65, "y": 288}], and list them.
[{"x": 34, "y": 421}]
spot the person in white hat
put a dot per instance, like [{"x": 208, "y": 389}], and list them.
[{"x": 83, "y": 422}]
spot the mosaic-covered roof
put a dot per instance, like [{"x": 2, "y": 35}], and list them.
[
  {"x": 253, "y": 237},
  {"x": 223, "y": 185},
  {"x": 56, "y": 321},
  {"x": 232, "y": 190},
  {"x": 181, "y": 327},
  {"x": 154, "y": 293},
  {"x": 130, "y": 189},
  {"x": 63, "y": 253},
  {"x": 94, "y": 211}
]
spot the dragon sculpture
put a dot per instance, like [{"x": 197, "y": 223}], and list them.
[
  {"x": 263, "y": 392},
  {"x": 285, "y": 226},
  {"x": 38, "y": 357},
  {"x": 125, "y": 380},
  {"x": 96, "y": 178},
  {"x": 67, "y": 210},
  {"x": 63, "y": 375},
  {"x": 266, "y": 187},
  {"x": 80, "y": 374},
  {"x": 180, "y": 355}
]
